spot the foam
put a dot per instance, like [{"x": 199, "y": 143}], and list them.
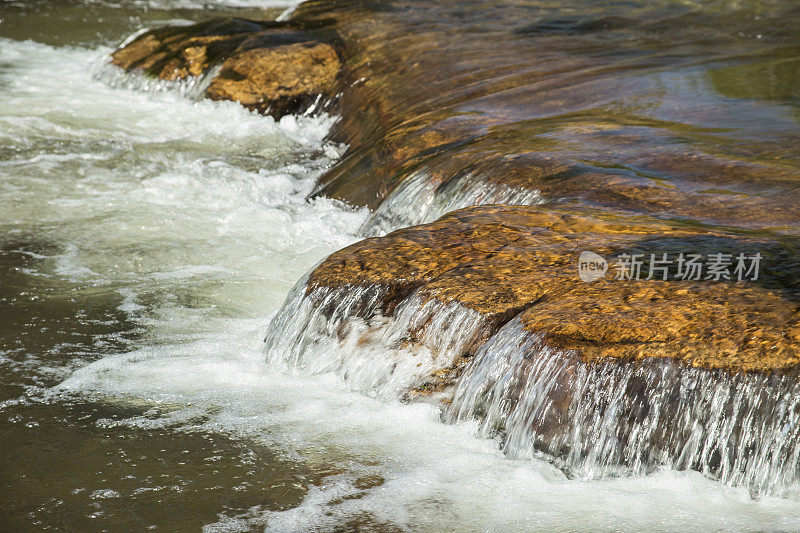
[{"x": 420, "y": 198}]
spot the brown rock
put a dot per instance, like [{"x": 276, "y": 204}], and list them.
[
  {"x": 508, "y": 261},
  {"x": 272, "y": 67},
  {"x": 635, "y": 153},
  {"x": 606, "y": 377},
  {"x": 176, "y": 52},
  {"x": 289, "y": 77}
]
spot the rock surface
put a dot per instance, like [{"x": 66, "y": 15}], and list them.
[
  {"x": 271, "y": 67},
  {"x": 643, "y": 136},
  {"x": 584, "y": 111},
  {"x": 504, "y": 261},
  {"x": 625, "y": 165},
  {"x": 288, "y": 77},
  {"x": 418, "y": 100}
]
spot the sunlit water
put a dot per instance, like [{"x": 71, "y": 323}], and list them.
[{"x": 146, "y": 241}]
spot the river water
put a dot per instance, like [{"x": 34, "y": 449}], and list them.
[{"x": 146, "y": 240}]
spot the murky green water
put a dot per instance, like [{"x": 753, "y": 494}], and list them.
[{"x": 75, "y": 22}]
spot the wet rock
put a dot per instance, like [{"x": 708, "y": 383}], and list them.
[
  {"x": 613, "y": 374},
  {"x": 593, "y": 101},
  {"x": 643, "y": 138},
  {"x": 504, "y": 261},
  {"x": 271, "y": 67},
  {"x": 176, "y": 52},
  {"x": 287, "y": 78}
]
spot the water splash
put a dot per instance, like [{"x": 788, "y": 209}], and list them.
[
  {"x": 348, "y": 331},
  {"x": 420, "y": 199},
  {"x": 590, "y": 420},
  {"x": 192, "y": 87},
  {"x": 605, "y": 419}
]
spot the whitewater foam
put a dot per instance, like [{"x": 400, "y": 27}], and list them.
[
  {"x": 420, "y": 198},
  {"x": 345, "y": 331},
  {"x": 596, "y": 420}
]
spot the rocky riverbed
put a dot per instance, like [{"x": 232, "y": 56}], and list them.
[{"x": 446, "y": 107}]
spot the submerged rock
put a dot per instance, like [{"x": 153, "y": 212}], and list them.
[
  {"x": 597, "y": 114},
  {"x": 267, "y": 66}
]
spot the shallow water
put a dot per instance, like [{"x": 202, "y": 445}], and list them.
[{"x": 146, "y": 240}]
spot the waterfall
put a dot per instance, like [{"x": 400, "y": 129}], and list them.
[
  {"x": 420, "y": 199},
  {"x": 192, "y": 87},
  {"x": 600, "y": 419},
  {"x": 591, "y": 420},
  {"x": 348, "y": 331}
]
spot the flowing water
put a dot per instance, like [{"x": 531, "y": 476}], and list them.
[{"x": 146, "y": 241}]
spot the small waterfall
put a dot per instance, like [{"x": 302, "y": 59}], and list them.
[
  {"x": 591, "y": 420},
  {"x": 192, "y": 87},
  {"x": 420, "y": 199},
  {"x": 602, "y": 419},
  {"x": 348, "y": 331}
]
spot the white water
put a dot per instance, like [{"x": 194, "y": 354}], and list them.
[
  {"x": 195, "y": 214},
  {"x": 420, "y": 199},
  {"x": 608, "y": 419},
  {"x": 344, "y": 332}
]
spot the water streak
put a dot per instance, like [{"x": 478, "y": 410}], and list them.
[
  {"x": 192, "y": 87},
  {"x": 420, "y": 199},
  {"x": 596, "y": 420},
  {"x": 347, "y": 331}
]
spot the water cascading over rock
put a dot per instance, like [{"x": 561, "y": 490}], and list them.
[
  {"x": 483, "y": 309},
  {"x": 594, "y": 420}
]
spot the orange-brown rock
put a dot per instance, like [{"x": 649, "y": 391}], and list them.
[
  {"x": 500, "y": 91},
  {"x": 633, "y": 151},
  {"x": 652, "y": 133},
  {"x": 271, "y": 67},
  {"x": 504, "y": 261},
  {"x": 176, "y": 52},
  {"x": 285, "y": 77}
]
